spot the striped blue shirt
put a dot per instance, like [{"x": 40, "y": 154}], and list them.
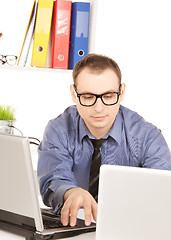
[{"x": 66, "y": 150}]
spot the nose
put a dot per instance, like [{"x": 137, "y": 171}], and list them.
[{"x": 98, "y": 106}]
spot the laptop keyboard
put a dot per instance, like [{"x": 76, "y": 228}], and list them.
[
  {"x": 49, "y": 224},
  {"x": 51, "y": 220}
]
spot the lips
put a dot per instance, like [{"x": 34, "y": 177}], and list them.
[{"x": 99, "y": 118}]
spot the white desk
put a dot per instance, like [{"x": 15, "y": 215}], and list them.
[{"x": 85, "y": 236}]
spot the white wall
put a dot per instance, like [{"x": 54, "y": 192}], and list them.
[
  {"x": 37, "y": 95},
  {"x": 137, "y": 35}
]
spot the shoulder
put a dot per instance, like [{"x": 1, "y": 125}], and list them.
[
  {"x": 136, "y": 125},
  {"x": 68, "y": 119},
  {"x": 130, "y": 117},
  {"x": 64, "y": 125}
]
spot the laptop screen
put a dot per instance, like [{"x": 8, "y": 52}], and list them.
[
  {"x": 17, "y": 182},
  {"x": 134, "y": 203}
]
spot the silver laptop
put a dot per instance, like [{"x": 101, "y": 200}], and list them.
[
  {"x": 19, "y": 205},
  {"x": 134, "y": 204}
]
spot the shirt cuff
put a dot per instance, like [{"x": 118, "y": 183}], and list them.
[{"x": 57, "y": 198}]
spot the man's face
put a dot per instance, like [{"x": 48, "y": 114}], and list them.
[{"x": 98, "y": 118}]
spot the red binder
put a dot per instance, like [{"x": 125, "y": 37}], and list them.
[{"x": 61, "y": 34}]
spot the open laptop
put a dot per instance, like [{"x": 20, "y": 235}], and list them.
[
  {"x": 19, "y": 206},
  {"x": 134, "y": 204}
]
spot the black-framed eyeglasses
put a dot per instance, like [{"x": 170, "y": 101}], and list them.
[
  {"x": 108, "y": 98},
  {"x": 9, "y": 59}
]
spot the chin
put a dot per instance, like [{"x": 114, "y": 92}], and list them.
[{"x": 100, "y": 125}]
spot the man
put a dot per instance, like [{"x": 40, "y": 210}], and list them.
[{"x": 66, "y": 152}]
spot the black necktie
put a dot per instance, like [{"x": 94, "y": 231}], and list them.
[{"x": 95, "y": 167}]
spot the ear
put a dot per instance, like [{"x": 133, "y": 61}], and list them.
[
  {"x": 122, "y": 92},
  {"x": 73, "y": 94}
]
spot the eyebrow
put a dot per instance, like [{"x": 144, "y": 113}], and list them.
[{"x": 108, "y": 91}]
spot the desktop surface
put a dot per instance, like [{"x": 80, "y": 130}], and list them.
[{"x": 9, "y": 236}]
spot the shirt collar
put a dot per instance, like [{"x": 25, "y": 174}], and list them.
[{"x": 115, "y": 131}]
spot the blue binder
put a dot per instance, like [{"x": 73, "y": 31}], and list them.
[{"x": 79, "y": 32}]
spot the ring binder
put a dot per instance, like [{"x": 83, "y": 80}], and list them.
[
  {"x": 42, "y": 33},
  {"x": 79, "y": 32}
]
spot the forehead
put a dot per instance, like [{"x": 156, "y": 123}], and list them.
[{"x": 97, "y": 82}]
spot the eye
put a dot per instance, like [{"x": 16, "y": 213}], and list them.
[
  {"x": 88, "y": 97},
  {"x": 108, "y": 95}
]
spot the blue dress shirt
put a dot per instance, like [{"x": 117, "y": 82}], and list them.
[{"x": 66, "y": 150}]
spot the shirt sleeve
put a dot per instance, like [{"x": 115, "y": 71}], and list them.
[
  {"x": 156, "y": 153},
  {"x": 55, "y": 166}
]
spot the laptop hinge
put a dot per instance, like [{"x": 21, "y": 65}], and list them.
[
  {"x": 43, "y": 237},
  {"x": 17, "y": 219},
  {"x": 15, "y": 229}
]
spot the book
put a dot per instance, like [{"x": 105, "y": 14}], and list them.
[{"x": 28, "y": 38}]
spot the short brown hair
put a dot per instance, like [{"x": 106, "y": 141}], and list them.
[{"x": 96, "y": 63}]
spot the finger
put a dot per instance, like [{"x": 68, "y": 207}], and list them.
[
  {"x": 73, "y": 214},
  {"x": 87, "y": 213},
  {"x": 65, "y": 212},
  {"x": 94, "y": 210}
]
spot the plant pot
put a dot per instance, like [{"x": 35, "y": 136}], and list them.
[{"x": 6, "y": 126}]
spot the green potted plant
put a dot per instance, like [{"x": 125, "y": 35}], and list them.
[{"x": 7, "y": 119}]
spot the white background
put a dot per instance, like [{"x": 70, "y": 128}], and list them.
[{"x": 134, "y": 33}]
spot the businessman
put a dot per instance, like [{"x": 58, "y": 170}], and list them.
[{"x": 96, "y": 130}]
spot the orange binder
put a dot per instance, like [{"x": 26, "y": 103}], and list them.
[
  {"x": 42, "y": 33},
  {"x": 61, "y": 34}
]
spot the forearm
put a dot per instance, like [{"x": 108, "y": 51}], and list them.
[{"x": 55, "y": 177}]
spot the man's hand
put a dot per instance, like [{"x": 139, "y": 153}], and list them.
[{"x": 75, "y": 198}]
